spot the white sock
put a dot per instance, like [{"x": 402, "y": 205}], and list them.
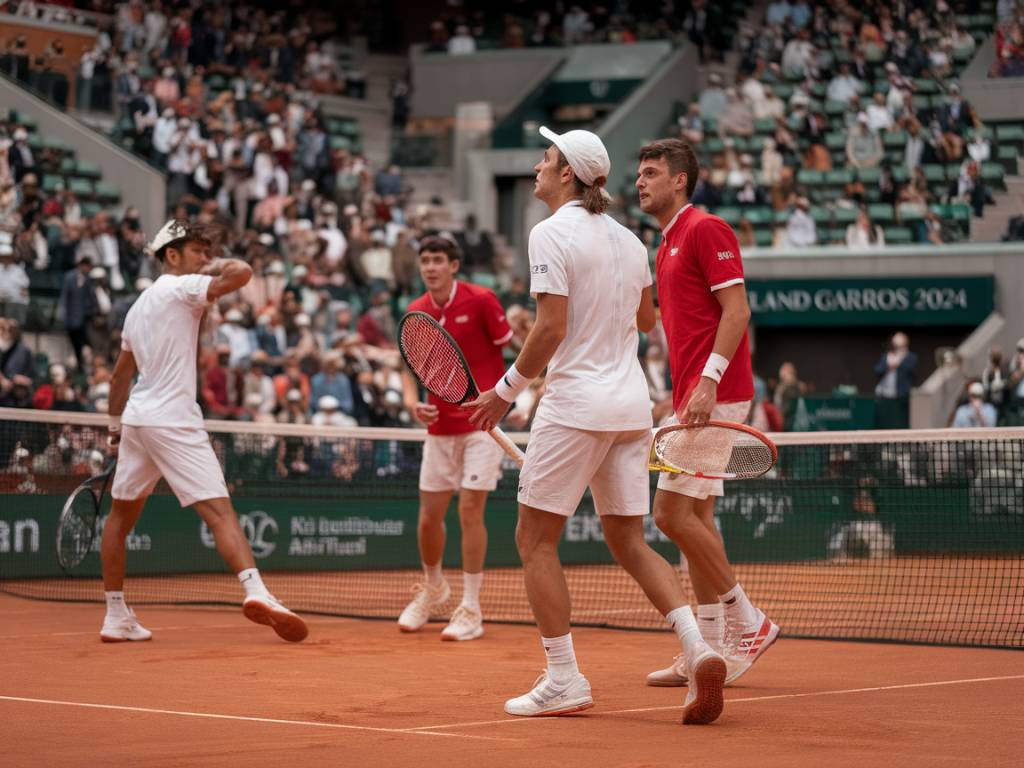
[
  {"x": 252, "y": 583},
  {"x": 434, "y": 574},
  {"x": 561, "y": 658},
  {"x": 738, "y": 605},
  {"x": 685, "y": 626},
  {"x": 116, "y": 606},
  {"x": 471, "y": 589},
  {"x": 711, "y": 622}
]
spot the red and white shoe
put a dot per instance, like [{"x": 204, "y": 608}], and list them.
[{"x": 745, "y": 643}]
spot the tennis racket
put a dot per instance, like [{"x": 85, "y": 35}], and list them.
[
  {"x": 720, "y": 450},
  {"x": 439, "y": 365},
  {"x": 77, "y": 526}
]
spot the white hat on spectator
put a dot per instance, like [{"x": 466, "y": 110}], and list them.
[
  {"x": 96, "y": 457},
  {"x": 263, "y": 320},
  {"x": 234, "y": 316},
  {"x": 299, "y": 272},
  {"x": 102, "y": 405},
  {"x": 276, "y": 267},
  {"x": 391, "y": 397},
  {"x": 20, "y": 134},
  {"x": 304, "y": 225},
  {"x": 102, "y": 389},
  {"x": 184, "y": 122},
  {"x": 585, "y": 153},
  {"x": 254, "y": 400},
  {"x": 58, "y": 372},
  {"x": 328, "y": 208},
  {"x": 378, "y": 236},
  {"x": 272, "y": 119},
  {"x": 6, "y": 249},
  {"x": 293, "y": 396},
  {"x": 977, "y": 389},
  {"x": 302, "y": 320},
  {"x": 266, "y": 239},
  {"x": 308, "y": 185},
  {"x": 168, "y": 113},
  {"x": 327, "y": 403},
  {"x": 168, "y": 71},
  {"x": 98, "y": 273},
  {"x": 142, "y": 284}
]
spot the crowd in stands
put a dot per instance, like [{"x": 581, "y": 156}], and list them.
[
  {"x": 472, "y": 26},
  {"x": 839, "y": 108},
  {"x": 1009, "y": 39}
]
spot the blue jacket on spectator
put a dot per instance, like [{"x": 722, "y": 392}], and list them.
[
  {"x": 77, "y": 299},
  {"x": 337, "y": 386},
  {"x": 904, "y": 373}
]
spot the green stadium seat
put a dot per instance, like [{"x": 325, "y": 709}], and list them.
[
  {"x": 908, "y": 212},
  {"x": 836, "y": 141},
  {"x": 485, "y": 279},
  {"x": 820, "y": 214},
  {"x": 894, "y": 139},
  {"x": 340, "y": 143},
  {"x": 818, "y": 91},
  {"x": 759, "y": 216},
  {"x": 764, "y": 126},
  {"x": 107, "y": 193},
  {"x": 900, "y": 174},
  {"x": 90, "y": 209},
  {"x": 881, "y": 213},
  {"x": 921, "y": 102},
  {"x": 844, "y": 216},
  {"x": 1010, "y": 133},
  {"x": 810, "y": 177},
  {"x": 764, "y": 238},
  {"x": 839, "y": 176},
  {"x": 731, "y": 214},
  {"x": 934, "y": 173},
  {"x": 81, "y": 187},
  {"x": 714, "y": 145},
  {"x": 1007, "y": 156},
  {"x": 993, "y": 173},
  {"x": 57, "y": 144},
  {"x": 834, "y": 107},
  {"x": 898, "y": 236},
  {"x": 755, "y": 144},
  {"x": 869, "y": 175},
  {"x": 836, "y": 235},
  {"x": 51, "y": 183},
  {"x": 925, "y": 86},
  {"x": 87, "y": 170}
]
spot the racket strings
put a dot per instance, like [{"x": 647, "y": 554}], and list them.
[
  {"x": 78, "y": 528},
  {"x": 434, "y": 360},
  {"x": 715, "y": 450}
]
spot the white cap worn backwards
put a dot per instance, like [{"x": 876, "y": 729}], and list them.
[{"x": 585, "y": 153}]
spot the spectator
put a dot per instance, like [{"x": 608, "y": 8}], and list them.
[
  {"x": 461, "y": 42},
  {"x": 332, "y": 382},
  {"x": 691, "y": 125},
  {"x": 971, "y": 188},
  {"x": 121, "y": 306},
  {"x": 913, "y": 151},
  {"x": 736, "y": 119},
  {"x": 844, "y": 86},
  {"x": 879, "y": 117},
  {"x": 328, "y": 415},
  {"x": 257, "y": 387},
  {"x": 801, "y": 230},
  {"x": 863, "y": 147},
  {"x": 98, "y": 330},
  {"x": 994, "y": 378},
  {"x": 17, "y": 367},
  {"x": 771, "y": 107},
  {"x": 778, "y": 13},
  {"x": 1015, "y": 388},
  {"x": 979, "y": 149},
  {"x": 20, "y": 156},
  {"x": 788, "y": 392},
  {"x": 975, "y": 412},
  {"x": 798, "y": 56},
  {"x": 955, "y": 114},
  {"x": 77, "y": 306},
  {"x": 13, "y": 283},
  {"x": 864, "y": 234},
  {"x": 712, "y": 99},
  {"x": 896, "y": 370},
  {"x": 477, "y": 247}
]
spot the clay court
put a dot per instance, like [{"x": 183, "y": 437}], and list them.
[{"x": 211, "y": 689}]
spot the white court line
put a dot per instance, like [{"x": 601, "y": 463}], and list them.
[
  {"x": 195, "y": 627},
  {"x": 243, "y": 718},
  {"x": 728, "y": 702}
]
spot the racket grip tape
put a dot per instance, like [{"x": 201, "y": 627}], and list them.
[{"x": 508, "y": 446}]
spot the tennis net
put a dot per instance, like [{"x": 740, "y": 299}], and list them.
[{"x": 897, "y": 536}]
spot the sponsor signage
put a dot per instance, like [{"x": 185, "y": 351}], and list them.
[{"x": 883, "y": 301}]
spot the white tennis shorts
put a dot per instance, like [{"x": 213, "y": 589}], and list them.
[
  {"x": 471, "y": 461},
  {"x": 700, "y": 487},
  {"x": 182, "y": 456},
  {"x": 562, "y": 461}
]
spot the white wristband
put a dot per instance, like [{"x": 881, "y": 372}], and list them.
[
  {"x": 715, "y": 367},
  {"x": 115, "y": 424},
  {"x": 511, "y": 385}
]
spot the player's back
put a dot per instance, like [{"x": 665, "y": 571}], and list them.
[
  {"x": 161, "y": 330},
  {"x": 594, "y": 379}
]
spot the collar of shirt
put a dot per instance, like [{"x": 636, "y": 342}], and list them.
[
  {"x": 675, "y": 218},
  {"x": 451, "y": 297},
  {"x": 568, "y": 205}
]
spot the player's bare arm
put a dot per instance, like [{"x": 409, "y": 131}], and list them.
[
  {"x": 228, "y": 276},
  {"x": 120, "y": 386},
  {"x": 425, "y": 413},
  {"x": 735, "y": 318},
  {"x": 547, "y": 333},
  {"x": 647, "y": 315}
]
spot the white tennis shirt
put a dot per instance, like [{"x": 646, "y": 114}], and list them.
[
  {"x": 594, "y": 379},
  {"x": 162, "y": 331}
]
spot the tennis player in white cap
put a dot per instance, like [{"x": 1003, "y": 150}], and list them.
[
  {"x": 157, "y": 428},
  {"x": 592, "y": 282}
]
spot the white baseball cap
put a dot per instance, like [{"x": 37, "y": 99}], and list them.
[
  {"x": 328, "y": 403},
  {"x": 977, "y": 389},
  {"x": 584, "y": 151},
  {"x": 169, "y": 232}
]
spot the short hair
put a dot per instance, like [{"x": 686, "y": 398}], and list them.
[
  {"x": 679, "y": 156},
  {"x": 205, "y": 234},
  {"x": 441, "y": 244}
]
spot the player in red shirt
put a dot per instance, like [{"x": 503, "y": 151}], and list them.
[
  {"x": 456, "y": 455},
  {"x": 704, "y": 311}
]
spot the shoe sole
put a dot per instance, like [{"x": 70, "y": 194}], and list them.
[
  {"x": 710, "y": 677},
  {"x": 286, "y": 624},
  {"x": 409, "y": 630},
  {"x": 474, "y": 635},
  {"x": 567, "y": 710},
  {"x": 110, "y": 639},
  {"x": 679, "y": 682}
]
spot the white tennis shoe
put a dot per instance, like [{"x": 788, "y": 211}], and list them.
[
  {"x": 428, "y": 600},
  {"x": 550, "y": 698},
  {"x": 745, "y": 643},
  {"x": 467, "y": 623},
  {"x": 124, "y": 629},
  {"x": 705, "y": 674},
  {"x": 268, "y": 610}
]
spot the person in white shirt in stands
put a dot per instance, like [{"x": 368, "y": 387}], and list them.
[
  {"x": 592, "y": 281},
  {"x": 864, "y": 233},
  {"x": 156, "y": 427},
  {"x": 975, "y": 412}
]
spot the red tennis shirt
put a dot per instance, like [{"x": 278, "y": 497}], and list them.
[
  {"x": 698, "y": 255},
  {"x": 475, "y": 319}
]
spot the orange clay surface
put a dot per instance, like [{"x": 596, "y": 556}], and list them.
[{"x": 212, "y": 689}]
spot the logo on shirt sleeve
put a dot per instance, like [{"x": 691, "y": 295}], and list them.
[
  {"x": 673, "y": 252},
  {"x": 725, "y": 255},
  {"x": 539, "y": 269}
]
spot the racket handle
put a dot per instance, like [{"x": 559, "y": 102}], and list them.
[{"x": 508, "y": 446}]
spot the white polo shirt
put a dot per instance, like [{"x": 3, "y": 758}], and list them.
[
  {"x": 162, "y": 331},
  {"x": 594, "y": 379}
]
